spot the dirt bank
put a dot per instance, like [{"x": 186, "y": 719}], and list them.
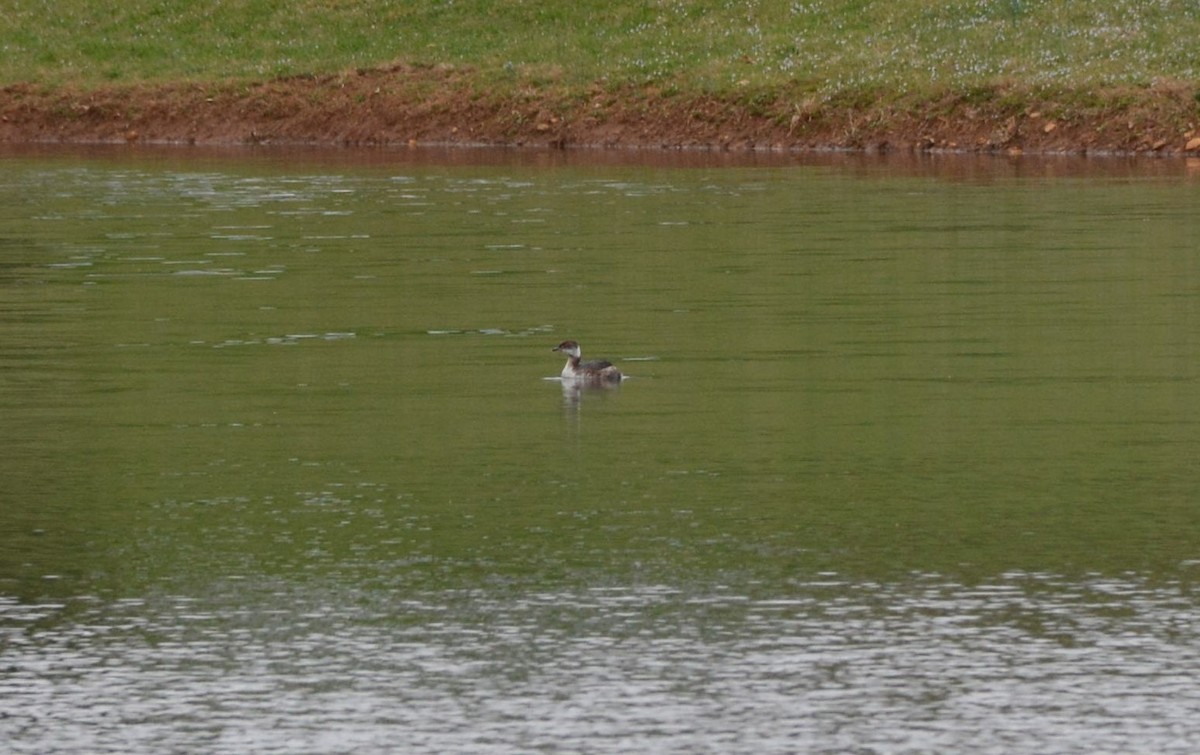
[{"x": 446, "y": 105}]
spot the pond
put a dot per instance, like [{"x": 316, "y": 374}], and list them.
[{"x": 905, "y": 460}]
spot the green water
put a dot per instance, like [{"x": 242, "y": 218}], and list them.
[{"x": 285, "y": 387}]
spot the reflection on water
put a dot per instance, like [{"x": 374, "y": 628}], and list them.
[
  {"x": 574, "y": 391},
  {"x": 906, "y": 462},
  {"x": 1025, "y": 662}
]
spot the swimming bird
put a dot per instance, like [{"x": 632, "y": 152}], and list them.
[{"x": 598, "y": 371}]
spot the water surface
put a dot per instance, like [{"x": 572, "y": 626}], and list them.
[{"x": 906, "y": 461}]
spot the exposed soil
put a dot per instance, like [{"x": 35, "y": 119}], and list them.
[{"x": 446, "y": 105}]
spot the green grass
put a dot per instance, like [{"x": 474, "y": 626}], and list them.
[{"x": 822, "y": 46}]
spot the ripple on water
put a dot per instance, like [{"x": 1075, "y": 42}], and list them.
[{"x": 922, "y": 666}]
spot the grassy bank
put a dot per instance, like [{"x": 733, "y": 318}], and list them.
[
  {"x": 823, "y": 45},
  {"x": 850, "y": 60}
]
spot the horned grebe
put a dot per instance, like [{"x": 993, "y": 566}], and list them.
[{"x": 599, "y": 371}]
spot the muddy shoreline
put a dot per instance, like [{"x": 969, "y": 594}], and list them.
[{"x": 402, "y": 105}]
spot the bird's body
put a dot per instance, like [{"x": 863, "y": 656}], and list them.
[{"x": 575, "y": 369}]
